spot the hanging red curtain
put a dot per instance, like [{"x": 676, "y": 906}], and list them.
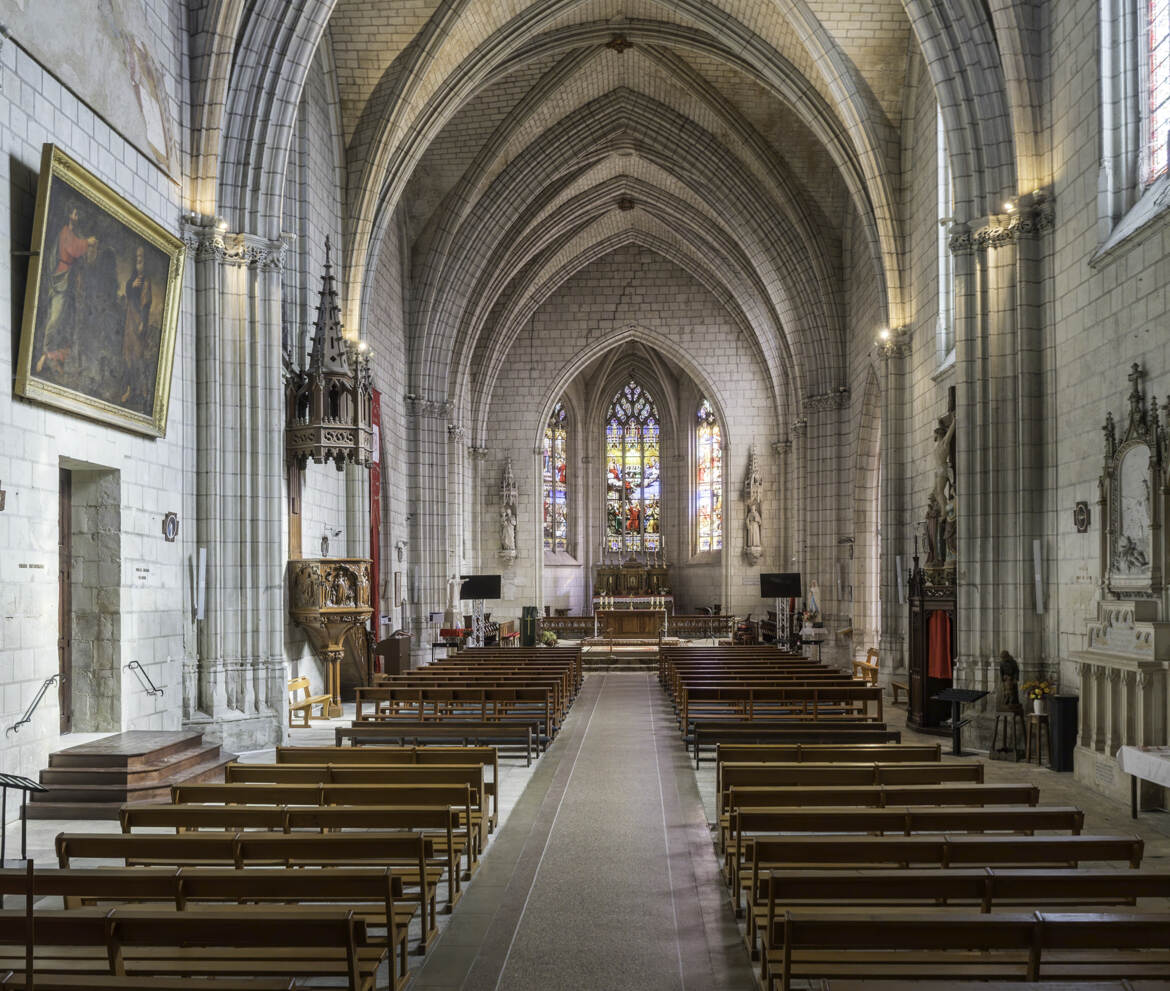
[{"x": 938, "y": 641}]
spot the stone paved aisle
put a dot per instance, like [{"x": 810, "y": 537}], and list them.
[{"x": 604, "y": 876}]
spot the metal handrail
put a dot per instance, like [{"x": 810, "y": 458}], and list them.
[
  {"x": 28, "y": 713},
  {"x": 152, "y": 690}
]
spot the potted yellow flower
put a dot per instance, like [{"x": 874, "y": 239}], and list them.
[{"x": 1037, "y": 692}]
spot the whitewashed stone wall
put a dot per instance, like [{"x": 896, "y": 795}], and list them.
[{"x": 153, "y": 579}]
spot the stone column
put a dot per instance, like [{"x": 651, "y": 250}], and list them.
[
  {"x": 895, "y": 522},
  {"x": 427, "y": 421},
  {"x": 999, "y": 437},
  {"x": 239, "y": 685}
]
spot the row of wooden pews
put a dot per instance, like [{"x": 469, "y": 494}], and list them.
[
  {"x": 858, "y": 861},
  {"x": 328, "y": 863},
  {"x": 757, "y": 694},
  {"x": 509, "y": 697}
]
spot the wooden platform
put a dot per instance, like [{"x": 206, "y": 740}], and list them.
[
  {"x": 92, "y": 780},
  {"x": 619, "y": 655}
]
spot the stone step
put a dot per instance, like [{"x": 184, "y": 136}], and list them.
[
  {"x": 102, "y": 801},
  {"x": 139, "y": 774}
]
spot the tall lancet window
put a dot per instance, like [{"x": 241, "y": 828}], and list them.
[
  {"x": 556, "y": 486},
  {"x": 708, "y": 480},
  {"x": 633, "y": 483},
  {"x": 946, "y": 262},
  {"x": 1156, "y": 131}
]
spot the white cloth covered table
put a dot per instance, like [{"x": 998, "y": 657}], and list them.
[{"x": 1147, "y": 763}]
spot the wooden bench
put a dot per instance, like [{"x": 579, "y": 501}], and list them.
[
  {"x": 407, "y": 854},
  {"x": 374, "y": 894},
  {"x": 15, "y": 981},
  {"x": 944, "y": 850},
  {"x": 799, "y": 753},
  {"x": 230, "y": 943},
  {"x": 304, "y": 704},
  {"x": 985, "y": 890},
  {"x": 447, "y": 828},
  {"x": 961, "y": 946},
  {"x": 456, "y": 794},
  {"x": 524, "y": 734},
  {"x": 865, "y": 985},
  {"x": 710, "y": 733}
]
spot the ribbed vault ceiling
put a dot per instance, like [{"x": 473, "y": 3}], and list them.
[{"x": 737, "y": 139}]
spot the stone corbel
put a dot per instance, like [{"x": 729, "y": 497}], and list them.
[{"x": 894, "y": 343}]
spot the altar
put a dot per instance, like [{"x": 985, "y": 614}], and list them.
[{"x": 630, "y": 624}]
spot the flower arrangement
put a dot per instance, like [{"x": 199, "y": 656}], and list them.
[
  {"x": 1036, "y": 689},
  {"x": 548, "y": 638}
]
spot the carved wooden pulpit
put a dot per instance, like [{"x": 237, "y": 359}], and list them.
[{"x": 329, "y": 597}]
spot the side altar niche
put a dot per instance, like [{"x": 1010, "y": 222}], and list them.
[{"x": 1124, "y": 666}]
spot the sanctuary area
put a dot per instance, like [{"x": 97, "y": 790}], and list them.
[{"x": 585, "y": 494}]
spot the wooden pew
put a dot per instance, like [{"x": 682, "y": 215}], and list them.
[
  {"x": 231, "y": 943},
  {"x": 447, "y": 828},
  {"x": 526, "y": 735},
  {"x": 806, "y": 753},
  {"x": 943, "y": 850},
  {"x": 961, "y": 946},
  {"x": 457, "y": 794},
  {"x": 407, "y": 854},
  {"x": 866, "y": 985},
  {"x": 488, "y": 757},
  {"x": 374, "y": 894},
  {"x": 986, "y": 889},
  {"x": 799, "y": 702},
  {"x": 347, "y": 774},
  {"x": 708, "y": 733}
]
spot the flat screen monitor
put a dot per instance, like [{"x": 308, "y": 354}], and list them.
[
  {"x": 480, "y": 587},
  {"x": 782, "y": 585}
]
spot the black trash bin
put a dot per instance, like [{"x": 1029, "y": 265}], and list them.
[
  {"x": 1064, "y": 730},
  {"x": 528, "y": 623}
]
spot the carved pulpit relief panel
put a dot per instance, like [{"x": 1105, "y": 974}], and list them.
[{"x": 1134, "y": 498}]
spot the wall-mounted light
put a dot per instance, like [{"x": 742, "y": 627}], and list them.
[
  {"x": 884, "y": 334},
  {"x": 1009, "y": 206}
]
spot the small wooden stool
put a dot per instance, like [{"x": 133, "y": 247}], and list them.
[
  {"x": 1012, "y": 721},
  {"x": 1038, "y": 724}
]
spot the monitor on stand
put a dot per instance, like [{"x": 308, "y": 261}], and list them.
[
  {"x": 781, "y": 586},
  {"x": 477, "y": 588}
]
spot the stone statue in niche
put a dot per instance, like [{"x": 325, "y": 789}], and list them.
[
  {"x": 508, "y": 513},
  {"x": 753, "y": 491}
]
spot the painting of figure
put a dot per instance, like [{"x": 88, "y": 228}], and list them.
[{"x": 102, "y": 303}]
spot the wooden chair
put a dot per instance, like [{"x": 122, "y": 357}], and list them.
[
  {"x": 867, "y": 669},
  {"x": 305, "y": 704}
]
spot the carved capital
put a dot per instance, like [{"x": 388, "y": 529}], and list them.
[
  {"x": 456, "y": 432},
  {"x": 435, "y": 409},
  {"x": 479, "y": 453},
  {"x": 895, "y": 344}
]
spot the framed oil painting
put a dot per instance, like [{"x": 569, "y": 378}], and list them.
[{"x": 102, "y": 304}]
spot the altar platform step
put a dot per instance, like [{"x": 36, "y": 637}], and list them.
[{"x": 93, "y": 780}]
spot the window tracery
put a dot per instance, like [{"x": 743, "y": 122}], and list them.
[
  {"x": 708, "y": 480},
  {"x": 633, "y": 478}
]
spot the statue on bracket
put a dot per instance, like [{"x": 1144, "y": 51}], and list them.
[
  {"x": 754, "y": 518},
  {"x": 508, "y": 513},
  {"x": 941, "y": 524}
]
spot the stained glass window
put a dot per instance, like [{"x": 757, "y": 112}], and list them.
[
  {"x": 633, "y": 484},
  {"x": 708, "y": 479},
  {"x": 556, "y": 489},
  {"x": 1158, "y": 123}
]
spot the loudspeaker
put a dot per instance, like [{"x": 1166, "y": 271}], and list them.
[
  {"x": 201, "y": 583},
  {"x": 1038, "y": 577},
  {"x": 901, "y": 581}
]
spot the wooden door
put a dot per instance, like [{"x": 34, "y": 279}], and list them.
[{"x": 65, "y": 600}]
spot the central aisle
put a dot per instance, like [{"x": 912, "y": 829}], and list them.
[{"x": 603, "y": 875}]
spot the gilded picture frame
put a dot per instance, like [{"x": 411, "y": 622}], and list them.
[{"x": 101, "y": 308}]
